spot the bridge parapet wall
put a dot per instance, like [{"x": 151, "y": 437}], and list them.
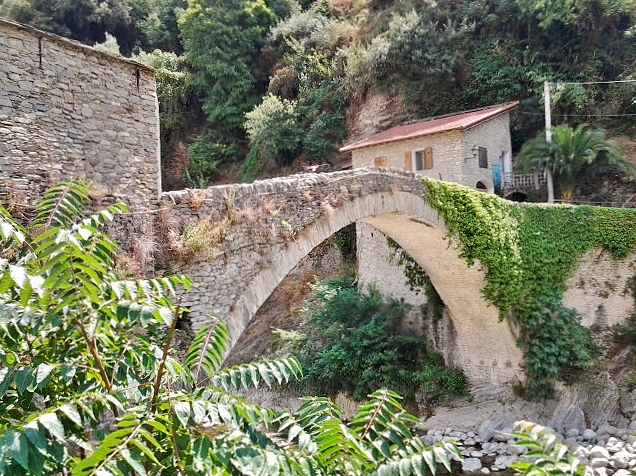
[
  {"x": 70, "y": 111},
  {"x": 251, "y": 225}
]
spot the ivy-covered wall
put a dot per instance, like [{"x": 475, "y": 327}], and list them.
[{"x": 528, "y": 253}]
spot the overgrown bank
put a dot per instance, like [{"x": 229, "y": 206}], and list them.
[
  {"x": 528, "y": 252},
  {"x": 353, "y": 344}
]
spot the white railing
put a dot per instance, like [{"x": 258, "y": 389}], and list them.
[{"x": 517, "y": 179}]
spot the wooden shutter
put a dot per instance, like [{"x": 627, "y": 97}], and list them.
[
  {"x": 380, "y": 161},
  {"x": 428, "y": 158},
  {"x": 408, "y": 165}
]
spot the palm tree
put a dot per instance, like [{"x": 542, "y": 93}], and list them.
[{"x": 571, "y": 155}]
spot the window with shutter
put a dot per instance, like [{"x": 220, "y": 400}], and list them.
[
  {"x": 424, "y": 159},
  {"x": 380, "y": 161}
]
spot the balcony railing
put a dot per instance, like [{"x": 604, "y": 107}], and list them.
[{"x": 517, "y": 179}]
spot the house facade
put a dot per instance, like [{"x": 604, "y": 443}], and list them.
[{"x": 471, "y": 148}]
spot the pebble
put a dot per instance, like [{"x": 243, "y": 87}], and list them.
[{"x": 471, "y": 464}]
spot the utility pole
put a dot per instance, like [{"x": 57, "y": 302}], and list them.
[{"x": 548, "y": 136}]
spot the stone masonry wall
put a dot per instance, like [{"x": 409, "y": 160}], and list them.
[
  {"x": 70, "y": 111},
  {"x": 251, "y": 224},
  {"x": 376, "y": 268}
]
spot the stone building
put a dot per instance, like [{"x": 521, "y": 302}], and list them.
[
  {"x": 70, "y": 111},
  {"x": 471, "y": 147}
]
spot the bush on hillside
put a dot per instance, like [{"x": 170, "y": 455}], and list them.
[{"x": 355, "y": 346}]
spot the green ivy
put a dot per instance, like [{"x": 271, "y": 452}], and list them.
[{"x": 528, "y": 252}]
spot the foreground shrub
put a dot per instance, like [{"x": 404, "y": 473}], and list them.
[{"x": 89, "y": 383}]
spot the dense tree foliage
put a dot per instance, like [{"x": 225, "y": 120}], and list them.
[
  {"x": 354, "y": 344},
  {"x": 328, "y": 56}
]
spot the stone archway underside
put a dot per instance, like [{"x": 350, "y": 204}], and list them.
[{"x": 486, "y": 350}]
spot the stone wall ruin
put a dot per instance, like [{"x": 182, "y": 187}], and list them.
[{"x": 70, "y": 111}]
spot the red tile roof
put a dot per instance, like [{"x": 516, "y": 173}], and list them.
[{"x": 434, "y": 125}]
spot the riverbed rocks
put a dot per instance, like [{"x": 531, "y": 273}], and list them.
[{"x": 608, "y": 451}]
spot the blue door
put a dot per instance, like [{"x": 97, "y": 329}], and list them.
[{"x": 496, "y": 176}]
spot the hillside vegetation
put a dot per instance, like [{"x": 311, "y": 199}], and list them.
[{"x": 253, "y": 88}]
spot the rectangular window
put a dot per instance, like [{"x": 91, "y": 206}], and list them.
[
  {"x": 419, "y": 160},
  {"x": 483, "y": 157},
  {"x": 380, "y": 161},
  {"x": 424, "y": 159}
]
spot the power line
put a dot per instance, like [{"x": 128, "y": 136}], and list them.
[
  {"x": 578, "y": 115},
  {"x": 556, "y": 83}
]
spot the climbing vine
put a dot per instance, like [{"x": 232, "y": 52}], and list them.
[
  {"x": 528, "y": 252},
  {"x": 417, "y": 280}
]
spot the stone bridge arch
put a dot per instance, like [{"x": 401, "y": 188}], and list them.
[{"x": 247, "y": 270}]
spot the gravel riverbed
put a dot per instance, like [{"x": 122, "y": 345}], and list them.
[{"x": 607, "y": 451}]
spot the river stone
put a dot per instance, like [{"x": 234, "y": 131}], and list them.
[
  {"x": 622, "y": 472},
  {"x": 599, "y": 452},
  {"x": 588, "y": 434},
  {"x": 517, "y": 449},
  {"x": 614, "y": 446},
  {"x": 572, "y": 433},
  {"x": 581, "y": 452},
  {"x": 599, "y": 463},
  {"x": 503, "y": 461},
  {"x": 601, "y": 472},
  {"x": 501, "y": 436},
  {"x": 484, "y": 470},
  {"x": 471, "y": 464},
  {"x": 620, "y": 460},
  {"x": 607, "y": 429},
  {"x": 429, "y": 440},
  {"x": 487, "y": 428}
]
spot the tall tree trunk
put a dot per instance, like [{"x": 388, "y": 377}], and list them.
[{"x": 550, "y": 186}]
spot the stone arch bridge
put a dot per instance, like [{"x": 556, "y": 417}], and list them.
[{"x": 261, "y": 231}]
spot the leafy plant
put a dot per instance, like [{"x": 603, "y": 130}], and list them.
[
  {"x": 571, "y": 155},
  {"x": 356, "y": 347},
  {"x": 528, "y": 253},
  {"x": 273, "y": 130},
  {"x": 377, "y": 441},
  {"x": 89, "y": 382},
  {"x": 546, "y": 456}
]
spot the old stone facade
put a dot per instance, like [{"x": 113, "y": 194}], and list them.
[
  {"x": 377, "y": 268},
  {"x": 454, "y": 151},
  {"x": 70, "y": 111}
]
